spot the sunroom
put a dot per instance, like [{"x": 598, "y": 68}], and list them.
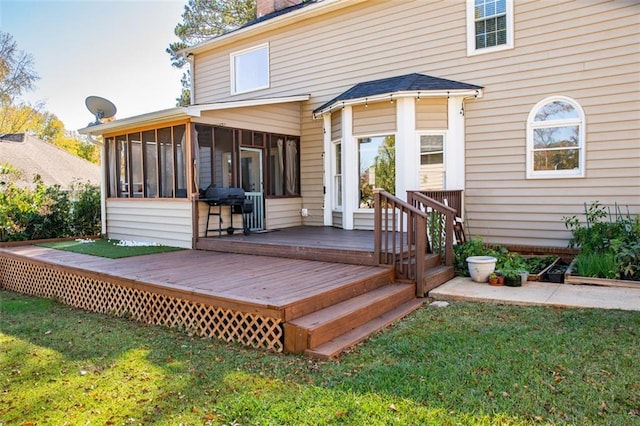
[{"x": 156, "y": 166}]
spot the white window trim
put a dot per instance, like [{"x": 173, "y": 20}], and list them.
[
  {"x": 581, "y": 122},
  {"x": 232, "y": 63},
  {"x": 334, "y": 190},
  {"x": 471, "y": 31}
]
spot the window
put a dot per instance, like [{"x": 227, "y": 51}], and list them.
[
  {"x": 431, "y": 162},
  {"x": 148, "y": 164},
  {"x": 377, "y": 166},
  {"x": 337, "y": 175},
  {"x": 250, "y": 69},
  {"x": 556, "y": 139},
  {"x": 489, "y": 25}
]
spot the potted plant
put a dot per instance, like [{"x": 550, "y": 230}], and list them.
[
  {"x": 480, "y": 267},
  {"x": 556, "y": 274},
  {"x": 512, "y": 278},
  {"x": 493, "y": 279}
]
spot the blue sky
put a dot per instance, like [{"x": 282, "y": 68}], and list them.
[{"x": 114, "y": 49}]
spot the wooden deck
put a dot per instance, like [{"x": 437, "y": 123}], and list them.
[
  {"x": 301, "y": 305},
  {"x": 322, "y": 243}
]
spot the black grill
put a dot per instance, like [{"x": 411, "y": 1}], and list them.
[{"x": 233, "y": 197}]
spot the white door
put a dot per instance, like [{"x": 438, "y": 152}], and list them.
[
  {"x": 432, "y": 167},
  {"x": 251, "y": 183}
]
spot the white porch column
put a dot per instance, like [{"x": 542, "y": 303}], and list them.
[
  {"x": 454, "y": 151},
  {"x": 103, "y": 186},
  {"x": 407, "y": 148},
  {"x": 328, "y": 171},
  {"x": 350, "y": 172}
]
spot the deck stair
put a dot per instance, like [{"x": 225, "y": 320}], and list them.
[
  {"x": 327, "y": 332},
  {"x": 435, "y": 272}
]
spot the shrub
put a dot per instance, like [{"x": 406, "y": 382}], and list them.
[{"x": 46, "y": 211}]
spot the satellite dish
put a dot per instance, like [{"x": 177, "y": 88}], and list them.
[{"x": 101, "y": 108}]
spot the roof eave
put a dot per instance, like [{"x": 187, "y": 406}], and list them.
[
  {"x": 183, "y": 113},
  {"x": 176, "y": 113},
  {"x": 390, "y": 96}
]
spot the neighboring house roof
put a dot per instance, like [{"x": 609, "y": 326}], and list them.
[
  {"x": 413, "y": 83},
  {"x": 56, "y": 166}
]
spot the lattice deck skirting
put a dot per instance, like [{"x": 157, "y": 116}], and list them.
[{"x": 97, "y": 294}]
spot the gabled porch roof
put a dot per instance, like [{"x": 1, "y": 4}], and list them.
[
  {"x": 413, "y": 85},
  {"x": 178, "y": 113}
]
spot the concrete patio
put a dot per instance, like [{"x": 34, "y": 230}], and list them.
[{"x": 541, "y": 293}]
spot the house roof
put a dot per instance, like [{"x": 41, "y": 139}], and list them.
[
  {"x": 56, "y": 166},
  {"x": 179, "y": 113},
  {"x": 409, "y": 84},
  {"x": 275, "y": 20}
]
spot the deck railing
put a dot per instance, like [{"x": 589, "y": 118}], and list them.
[
  {"x": 404, "y": 232},
  {"x": 440, "y": 223},
  {"x": 400, "y": 236}
]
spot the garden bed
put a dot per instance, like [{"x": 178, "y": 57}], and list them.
[{"x": 577, "y": 280}]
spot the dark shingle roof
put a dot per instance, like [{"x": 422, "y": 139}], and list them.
[{"x": 404, "y": 83}]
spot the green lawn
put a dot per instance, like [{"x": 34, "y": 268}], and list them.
[
  {"x": 464, "y": 364},
  {"x": 107, "y": 248}
]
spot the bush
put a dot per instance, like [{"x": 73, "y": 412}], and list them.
[{"x": 46, "y": 211}]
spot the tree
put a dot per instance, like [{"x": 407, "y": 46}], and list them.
[
  {"x": 202, "y": 20},
  {"x": 17, "y": 74}
]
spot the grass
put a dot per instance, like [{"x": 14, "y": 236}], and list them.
[
  {"x": 465, "y": 364},
  {"x": 107, "y": 248}
]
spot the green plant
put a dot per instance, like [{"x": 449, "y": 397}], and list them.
[
  {"x": 597, "y": 265},
  {"x": 511, "y": 261},
  {"x": 471, "y": 247},
  {"x": 599, "y": 229},
  {"x": 41, "y": 211},
  {"x": 610, "y": 235},
  {"x": 512, "y": 277},
  {"x": 535, "y": 265},
  {"x": 627, "y": 259}
]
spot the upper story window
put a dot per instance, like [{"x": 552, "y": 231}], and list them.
[
  {"x": 250, "y": 69},
  {"x": 489, "y": 25},
  {"x": 556, "y": 139}
]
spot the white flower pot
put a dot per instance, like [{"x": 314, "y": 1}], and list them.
[{"x": 480, "y": 267}]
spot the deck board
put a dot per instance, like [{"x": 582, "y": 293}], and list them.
[{"x": 270, "y": 282}]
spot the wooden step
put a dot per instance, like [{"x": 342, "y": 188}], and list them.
[
  {"x": 335, "y": 346},
  {"x": 321, "y": 326},
  {"x": 433, "y": 277}
]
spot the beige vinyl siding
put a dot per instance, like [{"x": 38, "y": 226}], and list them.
[
  {"x": 363, "y": 220},
  {"x": 165, "y": 222},
  {"x": 279, "y": 118},
  {"x": 336, "y": 218},
  {"x": 283, "y": 212},
  {"x": 374, "y": 119},
  {"x": 557, "y": 52},
  {"x": 214, "y": 220},
  {"x": 431, "y": 114},
  {"x": 336, "y": 125}
]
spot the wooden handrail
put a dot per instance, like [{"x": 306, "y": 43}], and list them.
[{"x": 400, "y": 237}]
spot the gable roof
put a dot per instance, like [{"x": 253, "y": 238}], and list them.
[
  {"x": 412, "y": 83},
  {"x": 56, "y": 166},
  {"x": 293, "y": 14}
]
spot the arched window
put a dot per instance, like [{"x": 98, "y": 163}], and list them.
[{"x": 556, "y": 139}]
